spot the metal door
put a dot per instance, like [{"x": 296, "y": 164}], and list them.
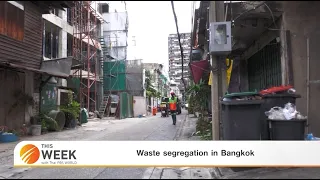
[{"x": 12, "y": 114}]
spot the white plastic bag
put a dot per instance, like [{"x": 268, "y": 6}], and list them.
[
  {"x": 289, "y": 111},
  {"x": 275, "y": 113}
]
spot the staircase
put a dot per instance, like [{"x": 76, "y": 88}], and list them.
[
  {"x": 104, "y": 47},
  {"x": 105, "y": 106},
  {"x": 105, "y": 52}
]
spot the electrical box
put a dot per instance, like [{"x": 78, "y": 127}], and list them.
[{"x": 220, "y": 38}]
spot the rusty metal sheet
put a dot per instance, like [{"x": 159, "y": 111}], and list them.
[{"x": 27, "y": 52}]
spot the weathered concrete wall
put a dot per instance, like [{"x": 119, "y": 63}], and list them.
[
  {"x": 12, "y": 113},
  {"x": 29, "y": 88},
  {"x": 302, "y": 19}
]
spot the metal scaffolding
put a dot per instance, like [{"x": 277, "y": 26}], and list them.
[
  {"x": 85, "y": 21},
  {"x": 134, "y": 77}
]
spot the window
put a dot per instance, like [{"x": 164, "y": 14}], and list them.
[
  {"x": 69, "y": 45},
  {"x": 12, "y": 19},
  {"x": 104, "y": 8},
  {"x": 51, "y": 40},
  {"x": 47, "y": 42},
  {"x": 55, "y": 12},
  {"x": 69, "y": 16}
]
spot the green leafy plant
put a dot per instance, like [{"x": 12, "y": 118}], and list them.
[
  {"x": 198, "y": 102},
  {"x": 72, "y": 108},
  {"x": 198, "y": 97},
  {"x": 40, "y": 119},
  {"x": 150, "y": 89},
  {"x": 51, "y": 124},
  {"x": 204, "y": 128},
  {"x": 43, "y": 124}
]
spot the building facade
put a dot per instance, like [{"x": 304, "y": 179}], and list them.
[
  {"x": 21, "y": 66},
  {"x": 61, "y": 31},
  {"x": 175, "y": 69},
  {"x": 158, "y": 79},
  {"x": 274, "y": 44}
]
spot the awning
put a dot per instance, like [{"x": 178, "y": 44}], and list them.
[
  {"x": 60, "y": 66},
  {"x": 197, "y": 68},
  {"x": 16, "y": 66}
]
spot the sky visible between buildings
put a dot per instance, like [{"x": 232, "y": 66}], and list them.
[{"x": 150, "y": 22}]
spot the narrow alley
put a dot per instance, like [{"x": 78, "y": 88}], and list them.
[
  {"x": 149, "y": 128},
  {"x": 224, "y": 82}
]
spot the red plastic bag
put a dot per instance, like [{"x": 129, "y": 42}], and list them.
[{"x": 275, "y": 89}]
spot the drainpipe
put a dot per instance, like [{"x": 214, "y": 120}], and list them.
[
  {"x": 308, "y": 81},
  {"x": 44, "y": 39}
]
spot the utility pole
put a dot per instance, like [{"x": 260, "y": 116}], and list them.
[
  {"x": 216, "y": 14},
  {"x": 223, "y": 86}
]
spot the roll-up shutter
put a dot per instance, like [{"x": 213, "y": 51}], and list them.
[{"x": 264, "y": 67}]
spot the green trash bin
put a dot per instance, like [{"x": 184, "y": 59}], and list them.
[
  {"x": 84, "y": 117},
  {"x": 241, "y": 94}
]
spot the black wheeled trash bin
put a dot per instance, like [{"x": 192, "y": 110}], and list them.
[
  {"x": 270, "y": 101},
  {"x": 240, "y": 119},
  {"x": 293, "y": 129}
]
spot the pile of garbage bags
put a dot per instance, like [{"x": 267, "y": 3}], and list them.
[{"x": 288, "y": 112}]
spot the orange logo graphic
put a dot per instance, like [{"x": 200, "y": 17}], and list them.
[{"x": 29, "y": 153}]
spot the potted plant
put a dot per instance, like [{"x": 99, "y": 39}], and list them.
[
  {"x": 71, "y": 111},
  {"x": 7, "y": 135},
  {"x": 43, "y": 122}
]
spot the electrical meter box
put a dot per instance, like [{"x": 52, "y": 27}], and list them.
[{"x": 220, "y": 38}]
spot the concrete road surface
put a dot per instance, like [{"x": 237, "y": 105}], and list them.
[{"x": 149, "y": 128}]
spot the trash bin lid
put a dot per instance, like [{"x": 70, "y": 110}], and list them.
[
  {"x": 275, "y": 89},
  {"x": 241, "y": 102},
  {"x": 282, "y": 95},
  {"x": 241, "y": 94}
]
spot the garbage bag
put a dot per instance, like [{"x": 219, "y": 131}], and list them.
[
  {"x": 275, "y": 113},
  {"x": 287, "y": 113}
]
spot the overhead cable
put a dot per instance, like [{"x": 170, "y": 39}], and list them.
[{"x": 181, "y": 49}]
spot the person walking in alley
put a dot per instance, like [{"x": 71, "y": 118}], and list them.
[{"x": 173, "y": 107}]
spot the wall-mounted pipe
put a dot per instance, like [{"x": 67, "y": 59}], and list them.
[{"x": 308, "y": 81}]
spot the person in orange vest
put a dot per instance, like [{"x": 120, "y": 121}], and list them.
[{"x": 173, "y": 107}]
